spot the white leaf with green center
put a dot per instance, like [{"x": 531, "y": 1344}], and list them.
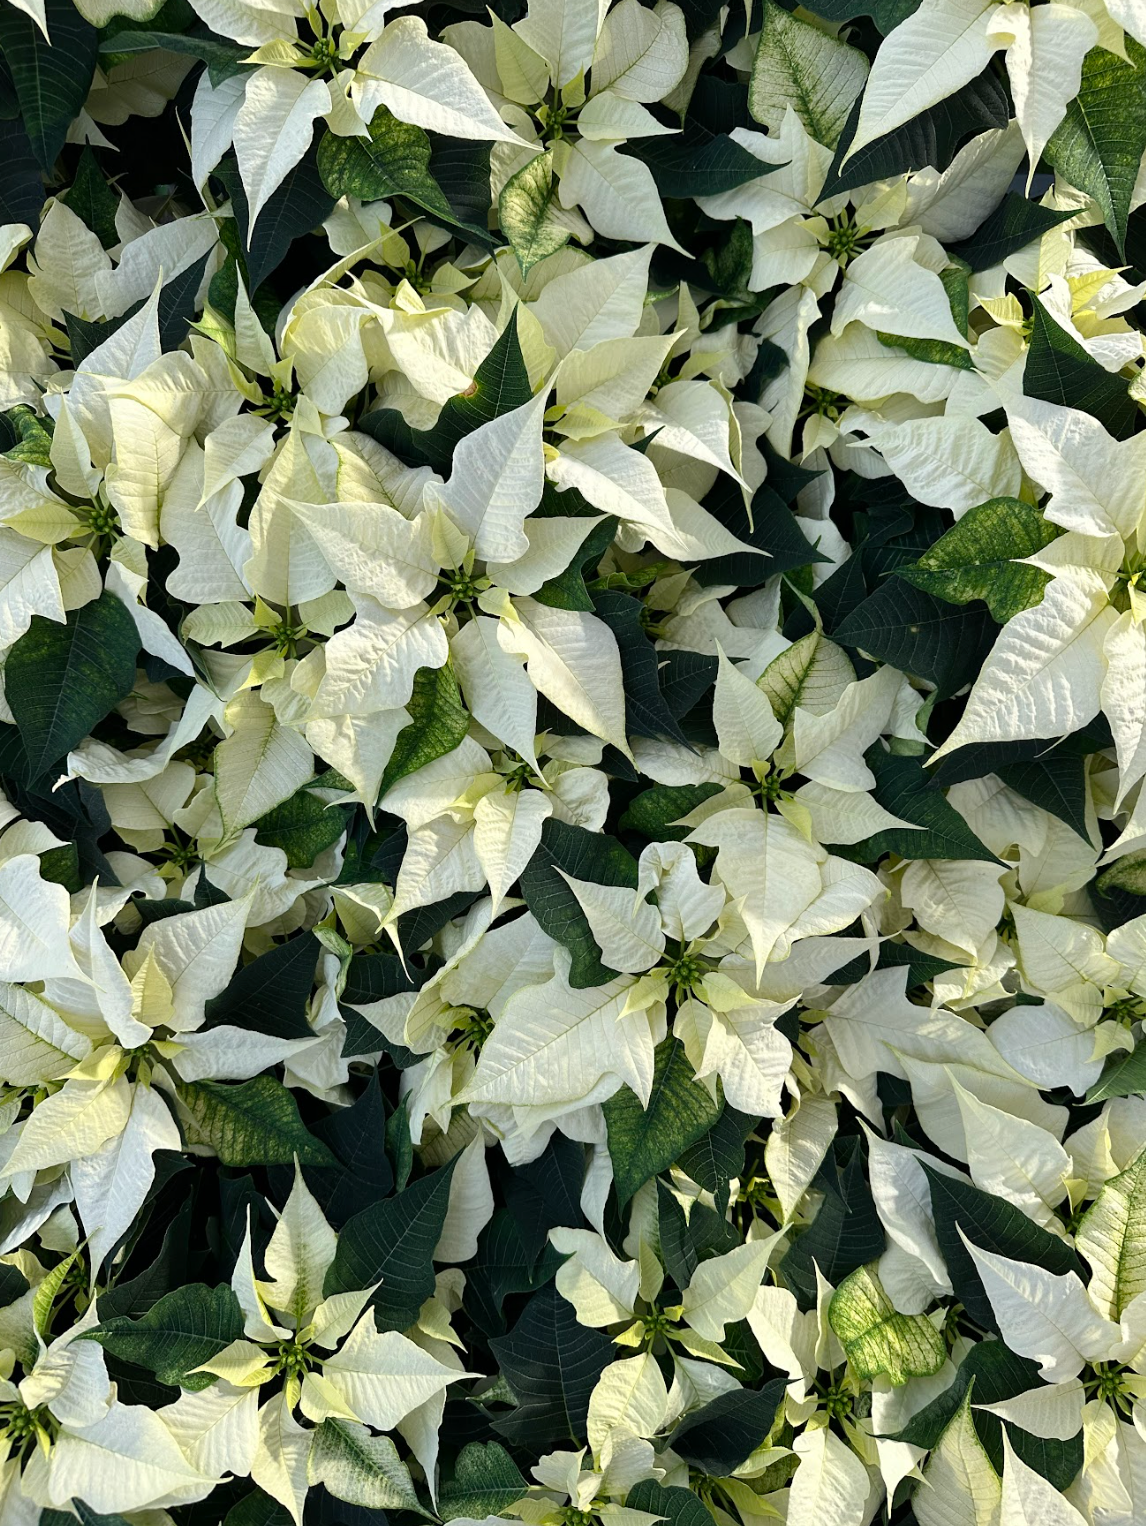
[
  {"x": 800, "y": 68},
  {"x": 361, "y": 1469},
  {"x": 960, "y": 1487},
  {"x": 299, "y": 1254},
  {"x": 1112, "y": 1237},
  {"x": 878, "y": 1339}
]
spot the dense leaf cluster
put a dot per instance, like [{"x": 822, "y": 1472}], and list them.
[{"x": 572, "y": 746}]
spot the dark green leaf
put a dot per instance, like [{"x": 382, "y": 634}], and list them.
[
  {"x": 183, "y": 1330},
  {"x": 485, "y": 1481},
  {"x": 303, "y": 827},
  {"x": 718, "y": 1156},
  {"x": 250, "y": 1123},
  {"x": 978, "y": 558},
  {"x": 697, "y": 162},
  {"x": 438, "y": 724},
  {"x": 1015, "y": 223},
  {"x": 653, "y": 811},
  {"x": 1099, "y": 144},
  {"x": 727, "y": 1430},
  {"x": 298, "y": 206},
  {"x": 646, "y": 1140},
  {"x": 932, "y": 138},
  {"x": 61, "y": 680},
  {"x": 1056, "y": 783},
  {"x": 676, "y": 1506},
  {"x": 500, "y": 384},
  {"x": 258, "y": 1509},
  {"x": 21, "y": 184},
  {"x": 1123, "y": 1075},
  {"x": 904, "y": 787},
  {"x": 1059, "y": 370},
  {"x": 551, "y": 1362},
  {"x": 646, "y": 713},
  {"x": 920, "y": 635},
  {"x": 392, "y": 1243},
  {"x": 222, "y": 57},
  {"x": 846, "y": 1232},
  {"x": 584, "y": 855},
  {"x": 771, "y": 527},
  {"x": 270, "y": 994},
  {"x": 92, "y": 200},
  {"x": 886, "y": 14},
  {"x": 393, "y": 161},
  {"x": 51, "y": 80}
]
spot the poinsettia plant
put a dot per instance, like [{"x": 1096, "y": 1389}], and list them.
[{"x": 572, "y": 749}]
